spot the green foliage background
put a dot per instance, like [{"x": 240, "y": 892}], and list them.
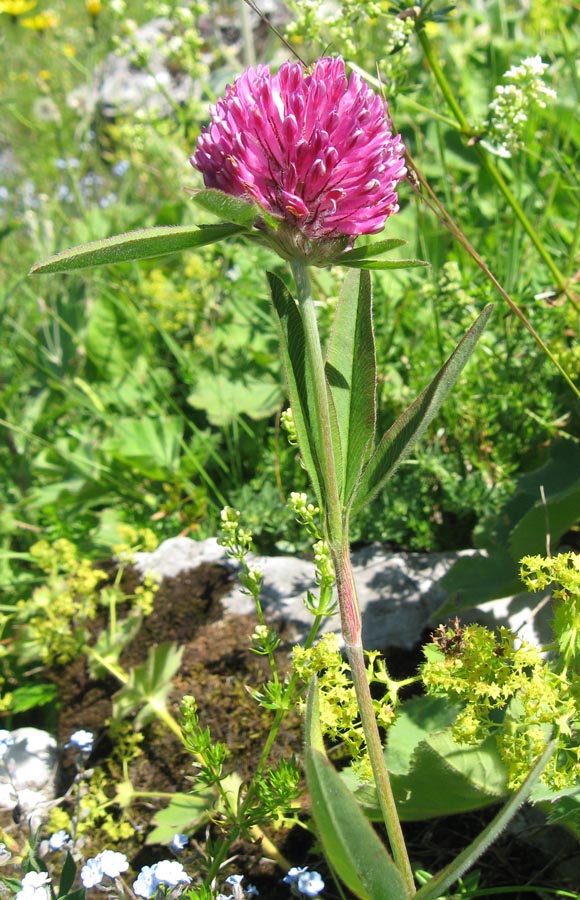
[{"x": 151, "y": 393}]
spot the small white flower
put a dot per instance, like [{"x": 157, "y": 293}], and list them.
[
  {"x": 113, "y": 863},
  {"x": 171, "y": 872},
  {"x": 82, "y": 741},
  {"x": 179, "y": 842},
  {"x": 57, "y": 840},
  {"x": 91, "y": 872},
  {"x": 146, "y": 884},
  {"x": 310, "y": 883},
  {"x": 511, "y": 104},
  {"x": 34, "y": 887}
]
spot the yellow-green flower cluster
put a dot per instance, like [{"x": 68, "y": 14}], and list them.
[
  {"x": 339, "y": 717},
  {"x": 509, "y": 689},
  {"x": 53, "y": 625},
  {"x": 53, "y": 621}
]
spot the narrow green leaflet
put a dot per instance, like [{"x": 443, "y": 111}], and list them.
[
  {"x": 351, "y": 374},
  {"x": 29, "y": 696},
  {"x": 335, "y": 437},
  {"x": 226, "y": 207},
  {"x": 383, "y": 263},
  {"x": 408, "y": 428},
  {"x": 291, "y": 331},
  {"x": 370, "y": 251},
  {"x": 447, "y": 876},
  {"x": 349, "y": 840},
  {"x": 142, "y": 244}
]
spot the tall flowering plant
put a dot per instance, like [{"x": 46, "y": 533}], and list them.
[{"x": 305, "y": 161}]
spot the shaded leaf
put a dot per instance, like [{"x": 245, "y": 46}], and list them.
[
  {"x": 150, "y": 446},
  {"x": 78, "y": 894},
  {"x": 476, "y": 579},
  {"x": 440, "y": 882},
  {"x": 114, "y": 342},
  {"x": 185, "y": 813},
  {"x": 141, "y": 244},
  {"x": 432, "y": 775},
  {"x": 68, "y": 874},
  {"x": 519, "y": 530},
  {"x": 29, "y": 696},
  {"x": 408, "y": 428},
  {"x": 561, "y": 511}
]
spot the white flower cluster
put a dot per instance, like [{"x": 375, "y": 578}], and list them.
[{"x": 511, "y": 105}]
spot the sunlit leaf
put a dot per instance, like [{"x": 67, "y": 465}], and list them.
[
  {"x": 142, "y": 244},
  {"x": 350, "y": 843},
  {"x": 225, "y": 207},
  {"x": 292, "y": 343},
  {"x": 351, "y": 373}
]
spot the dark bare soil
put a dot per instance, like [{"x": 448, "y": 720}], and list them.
[{"x": 217, "y": 668}]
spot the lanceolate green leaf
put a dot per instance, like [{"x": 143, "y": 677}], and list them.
[
  {"x": 350, "y": 842},
  {"x": 292, "y": 343},
  {"x": 226, "y": 207},
  {"x": 370, "y": 251},
  {"x": 439, "y": 884},
  {"x": 383, "y": 263},
  {"x": 408, "y": 428},
  {"x": 351, "y": 374},
  {"x": 142, "y": 244},
  {"x": 68, "y": 874}
]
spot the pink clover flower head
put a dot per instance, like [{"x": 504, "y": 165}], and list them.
[{"x": 312, "y": 147}]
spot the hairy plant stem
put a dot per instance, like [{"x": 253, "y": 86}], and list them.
[
  {"x": 489, "y": 165},
  {"x": 352, "y": 633},
  {"x": 336, "y": 527}
]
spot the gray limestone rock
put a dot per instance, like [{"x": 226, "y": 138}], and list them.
[
  {"x": 121, "y": 87},
  {"x": 398, "y": 592},
  {"x": 28, "y": 773}
]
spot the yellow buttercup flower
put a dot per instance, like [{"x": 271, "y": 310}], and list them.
[
  {"x": 94, "y": 7},
  {"x": 69, "y": 50},
  {"x": 16, "y": 7},
  {"x": 42, "y": 21}
]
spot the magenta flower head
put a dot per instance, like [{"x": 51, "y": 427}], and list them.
[{"x": 313, "y": 148}]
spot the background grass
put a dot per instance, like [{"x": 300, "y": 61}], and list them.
[{"x": 130, "y": 394}]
